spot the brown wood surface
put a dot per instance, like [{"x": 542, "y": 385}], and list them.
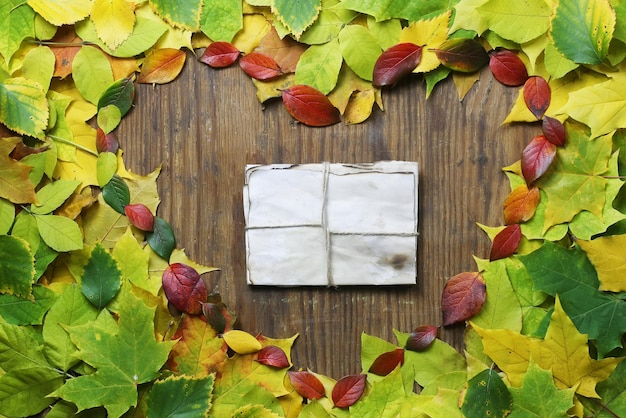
[{"x": 207, "y": 125}]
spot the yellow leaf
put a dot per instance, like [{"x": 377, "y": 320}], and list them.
[
  {"x": 468, "y": 17},
  {"x": 563, "y": 349},
  {"x": 269, "y": 89},
  {"x": 61, "y": 12},
  {"x": 429, "y": 34},
  {"x": 255, "y": 27},
  {"x": 113, "y": 20},
  {"x": 241, "y": 342},
  {"x": 360, "y": 106},
  {"x": 464, "y": 82},
  {"x": 347, "y": 84},
  {"x": 607, "y": 256},
  {"x": 179, "y": 256},
  {"x": 15, "y": 185},
  {"x": 533, "y": 49}
]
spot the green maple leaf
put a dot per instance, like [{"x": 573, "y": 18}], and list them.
[
  {"x": 613, "y": 396},
  {"x": 539, "y": 397},
  {"x": 569, "y": 273},
  {"x": 125, "y": 354},
  {"x": 575, "y": 180}
]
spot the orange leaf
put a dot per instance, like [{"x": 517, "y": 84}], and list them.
[
  {"x": 310, "y": 106},
  {"x": 161, "y": 66},
  {"x": 463, "y": 297},
  {"x": 537, "y": 95},
  {"x": 537, "y": 157},
  {"x": 520, "y": 204},
  {"x": 65, "y": 45},
  {"x": 286, "y": 52},
  {"x": 260, "y": 66},
  {"x": 220, "y": 54}
]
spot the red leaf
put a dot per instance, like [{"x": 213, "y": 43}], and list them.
[
  {"x": 310, "y": 106},
  {"x": 537, "y": 157},
  {"x": 554, "y": 131},
  {"x": 537, "y": 95},
  {"x": 260, "y": 66},
  {"x": 507, "y": 68},
  {"x": 307, "y": 385},
  {"x": 387, "y": 362},
  {"x": 463, "y": 297},
  {"x": 464, "y": 55},
  {"x": 140, "y": 216},
  {"x": 421, "y": 338},
  {"x": 184, "y": 288},
  {"x": 505, "y": 243},
  {"x": 271, "y": 355},
  {"x": 520, "y": 204},
  {"x": 161, "y": 66},
  {"x": 106, "y": 142},
  {"x": 220, "y": 54},
  {"x": 395, "y": 62},
  {"x": 348, "y": 390}
]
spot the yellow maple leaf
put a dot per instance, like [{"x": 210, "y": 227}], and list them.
[
  {"x": 429, "y": 34},
  {"x": 563, "y": 349},
  {"x": 61, "y": 12},
  {"x": 114, "y": 21},
  {"x": 607, "y": 256}
]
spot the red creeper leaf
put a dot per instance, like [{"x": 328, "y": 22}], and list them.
[
  {"x": 507, "y": 68},
  {"x": 184, "y": 288},
  {"x": 554, "y": 131},
  {"x": 220, "y": 54},
  {"x": 310, "y": 106},
  {"x": 463, "y": 297},
  {"x": 140, "y": 216},
  {"x": 505, "y": 243},
  {"x": 307, "y": 384},
  {"x": 274, "y": 356},
  {"x": 106, "y": 142},
  {"x": 537, "y": 157},
  {"x": 520, "y": 204},
  {"x": 537, "y": 95},
  {"x": 387, "y": 362},
  {"x": 421, "y": 338},
  {"x": 348, "y": 390},
  {"x": 395, "y": 62},
  {"x": 260, "y": 66},
  {"x": 463, "y": 55}
]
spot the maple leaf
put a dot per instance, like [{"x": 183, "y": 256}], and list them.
[
  {"x": 132, "y": 357},
  {"x": 556, "y": 270},
  {"x": 607, "y": 256},
  {"x": 563, "y": 349}
]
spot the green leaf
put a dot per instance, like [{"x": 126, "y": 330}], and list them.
[
  {"x": 539, "y": 397},
  {"x": 221, "y": 19},
  {"x": 487, "y": 395},
  {"x": 556, "y": 64},
  {"x": 19, "y": 349},
  {"x": 92, "y": 73},
  {"x": 314, "y": 409},
  {"x": 17, "y": 25},
  {"x": 360, "y": 50},
  {"x": 106, "y": 166},
  {"x": 331, "y": 20},
  {"x": 612, "y": 393},
  {"x": 297, "y": 15},
  {"x": 181, "y": 396},
  {"x": 519, "y": 21},
  {"x": 109, "y": 118},
  {"x": 101, "y": 278},
  {"x": 24, "y": 392},
  {"x": 17, "y": 268},
  {"x": 38, "y": 163},
  {"x": 384, "y": 399},
  {"x": 133, "y": 261},
  {"x": 570, "y": 274},
  {"x": 116, "y": 193},
  {"x": 319, "y": 66},
  {"x": 575, "y": 180},
  {"x": 69, "y": 310},
  {"x": 19, "y": 311},
  {"x": 410, "y": 10},
  {"x": 23, "y": 106},
  {"x": 25, "y": 227},
  {"x": 53, "y": 195},
  {"x": 43, "y": 257},
  {"x": 7, "y": 216},
  {"x": 121, "y": 94},
  {"x": 39, "y": 66},
  {"x": 181, "y": 14},
  {"x": 583, "y": 29},
  {"x": 387, "y": 33},
  {"x": 161, "y": 239},
  {"x": 60, "y": 233},
  {"x": 132, "y": 357}
]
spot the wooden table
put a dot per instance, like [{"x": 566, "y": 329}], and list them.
[{"x": 206, "y": 125}]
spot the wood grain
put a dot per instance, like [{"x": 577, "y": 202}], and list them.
[{"x": 207, "y": 125}]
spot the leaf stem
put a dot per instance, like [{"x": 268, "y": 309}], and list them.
[
  {"x": 60, "y": 44},
  {"x": 74, "y": 144},
  {"x": 603, "y": 406}
]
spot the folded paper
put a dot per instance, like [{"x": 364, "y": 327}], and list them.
[{"x": 331, "y": 224}]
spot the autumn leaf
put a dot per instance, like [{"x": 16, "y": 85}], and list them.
[
  {"x": 553, "y": 130},
  {"x": 537, "y": 157},
  {"x": 114, "y": 21},
  {"x": 386, "y": 362},
  {"x": 310, "y": 106},
  {"x": 161, "y": 66},
  {"x": 181, "y": 396},
  {"x": 119, "y": 94},
  {"x": 61, "y": 12},
  {"x": 106, "y": 142},
  {"x": 607, "y": 256},
  {"x": 185, "y": 15},
  {"x": 242, "y": 342},
  {"x": 520, "y": 204},
  {"x": 519, "y": 22},
  {"x": 463, "y": 297},
  {"x": 23, "y": 106},
  {"x": 220, "y": 54},
  {"x": 270, "y": 355},
  {"x": 387, "y": 9},
  {"x": 421, "y": 338},
  {"x": 537, "y": 95},
  {"x": 395, "y": 62},
  {"x": 507, "y": 68},
  {"x": 505, "y": 242},
  {"x": 348, "y": 390},
  {"x": 161, "y": 239},
  {"x": 140, "y": 216},
  {"x": 487, "y": 395},
  {"x": 92, "y": 73},
  {"x": 384, "y": 398},
  {"x": 260, "y": 66},
  {"x": 65, "y": 46},
  {"x": 307, "y": 384},
  {"x": 184, "y": 288},
  {"x": 15, "y": 185},
  {"x": 429, "y": 34},
  {"x": 360, "y": 106},
  {"x": 563, "y": 349},
  {"x": 463, "y": 55},
  {"x": 285, "y": 51}
]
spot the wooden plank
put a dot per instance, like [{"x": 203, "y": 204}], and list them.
[{"x": 204, "y": 127}]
